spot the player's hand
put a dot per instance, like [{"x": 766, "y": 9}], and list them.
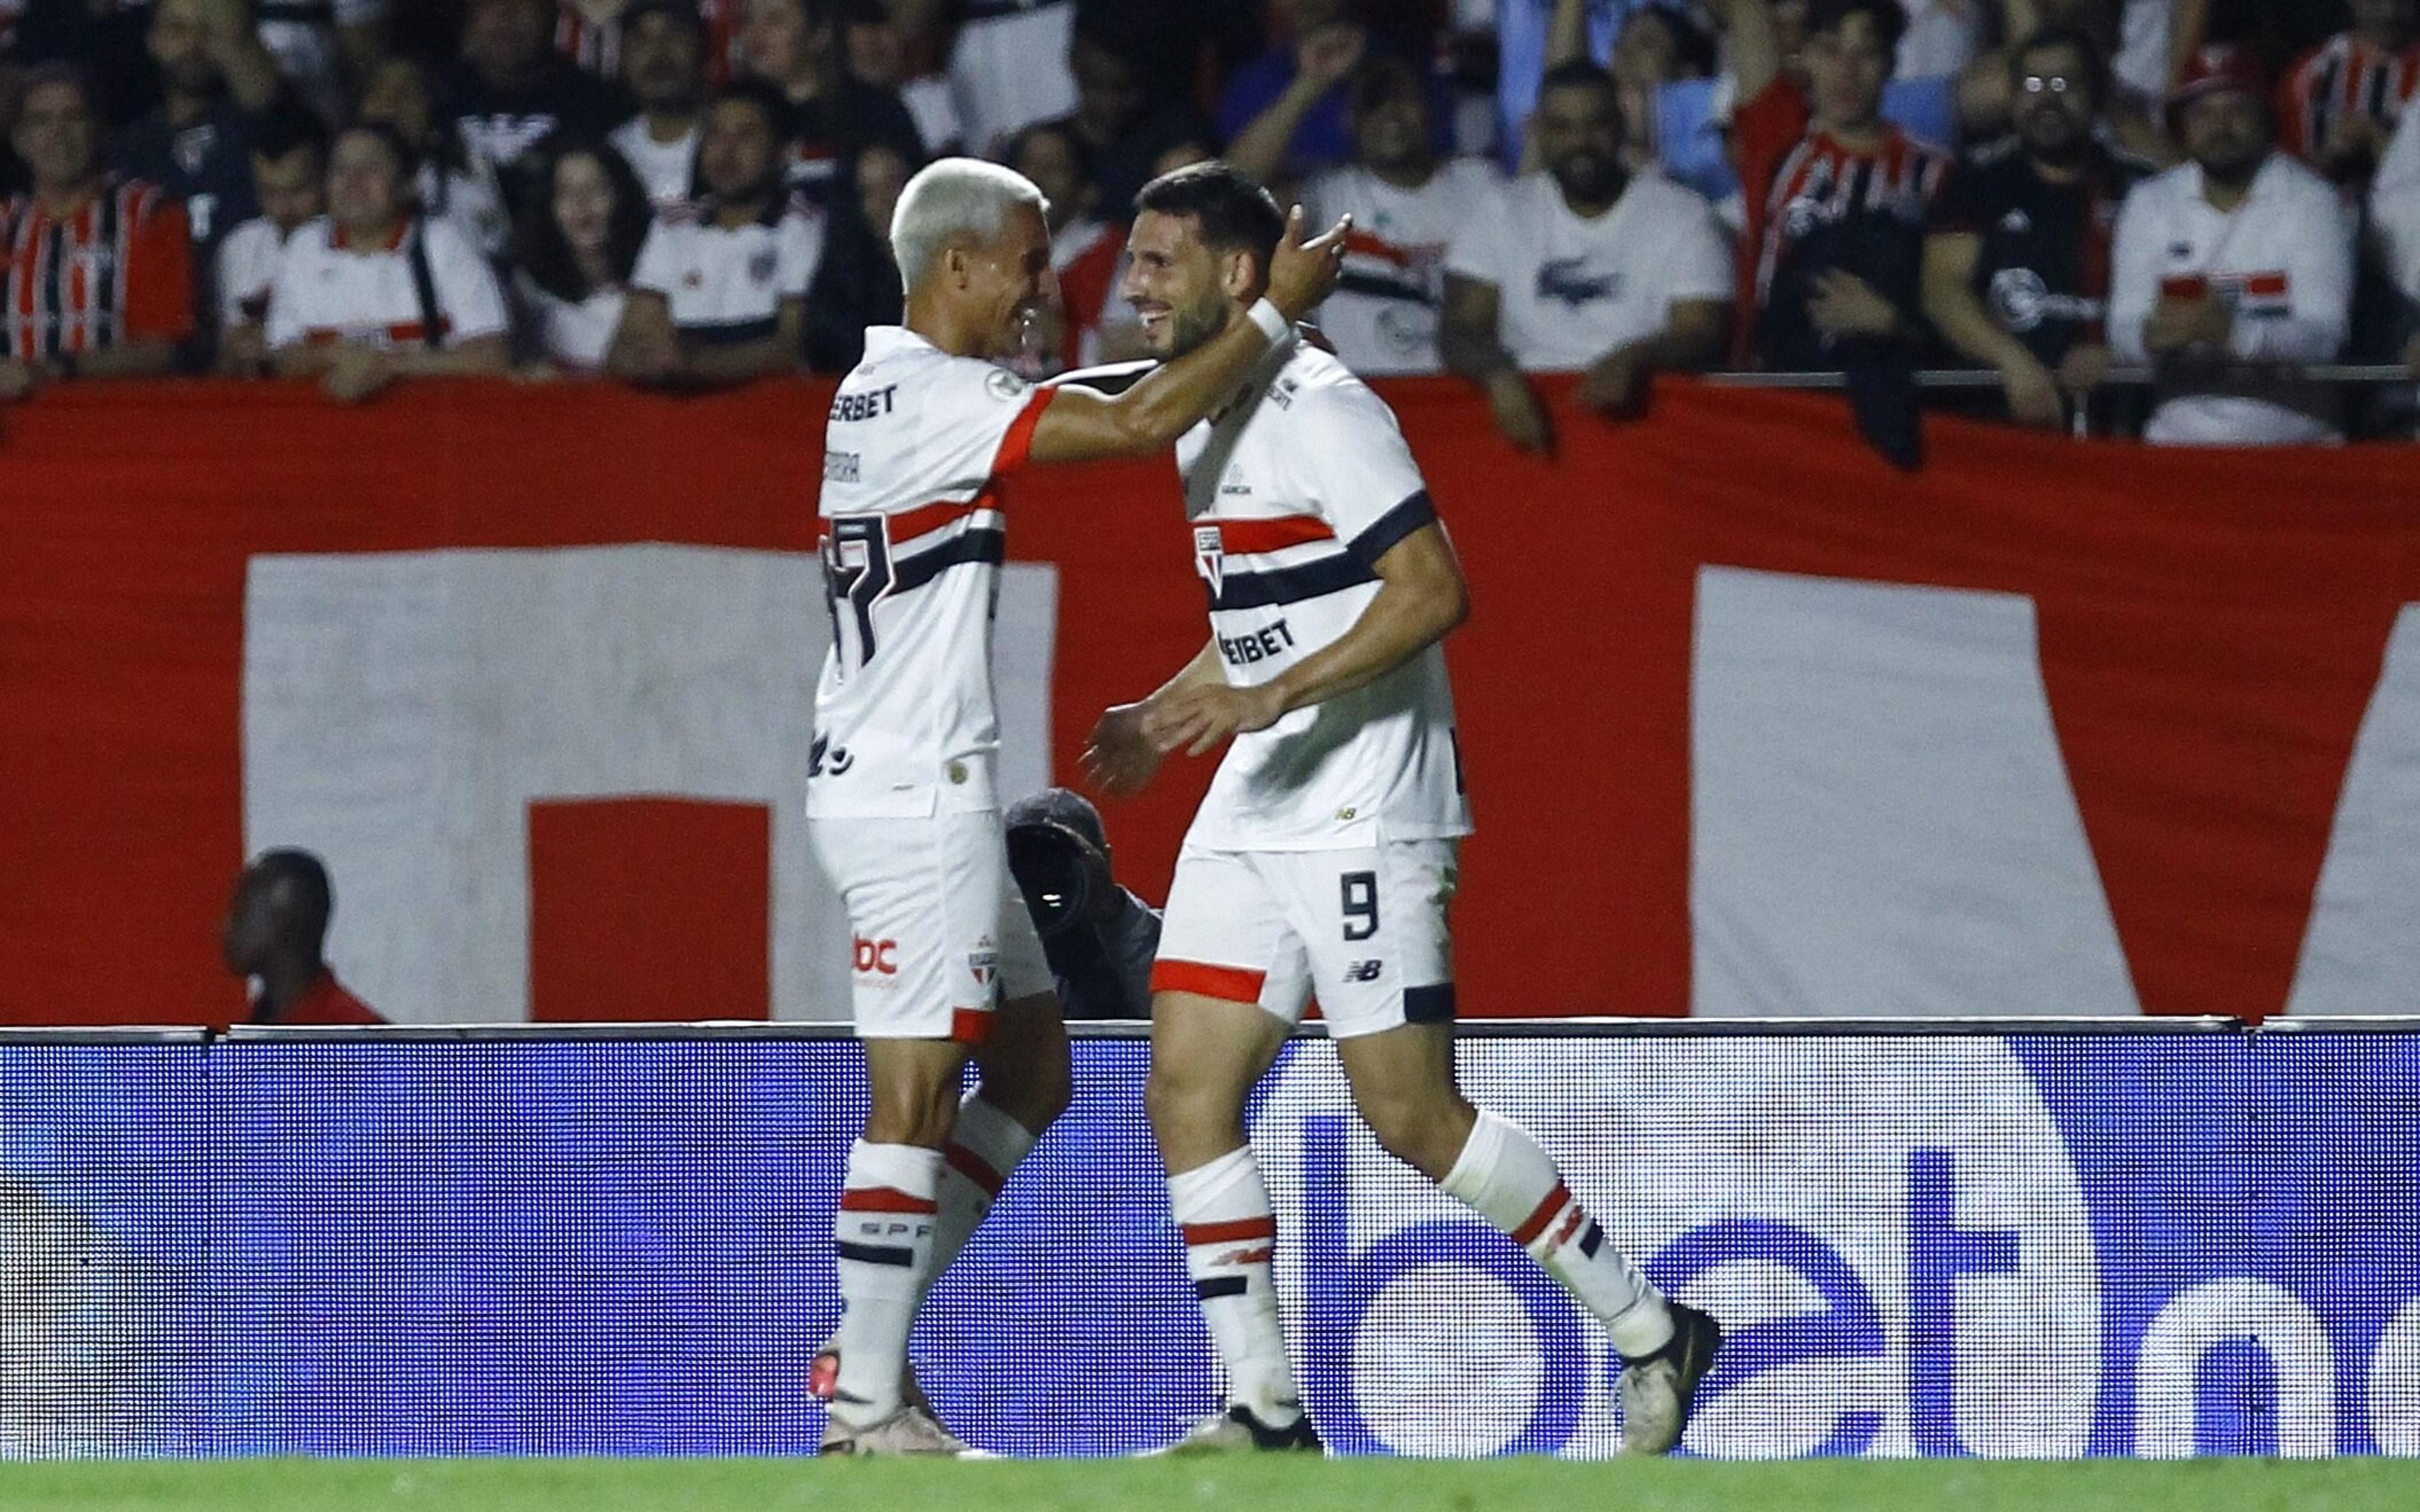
[
  {"x": 1616, "y": 385},
  {"x": 1197, "y": 720},
  {"x": 1303, "y": 273},
  {"x": 2033, "y": 394},
  {"x": 1519, "y": 416},
  {"x": 1119, "y": 758}
]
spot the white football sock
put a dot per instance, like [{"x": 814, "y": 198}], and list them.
[
  {"x": 984, "y": 1148},
  {"x": 1504, "y": 1176},
  {"x": 1229, "y": 1233},
  {"x": 883, "y": 1236}
]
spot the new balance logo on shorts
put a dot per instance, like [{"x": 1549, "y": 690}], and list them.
[{"x": 1364, "y": 970}]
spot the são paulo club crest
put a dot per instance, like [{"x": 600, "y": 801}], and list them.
[{"x": 1209, "y": 557}]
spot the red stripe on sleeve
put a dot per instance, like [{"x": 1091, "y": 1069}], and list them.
[
  {"x": 1536, "y": 1223},
  {"x": 1017, "y": 444},
  {"x": 1226, "y": 983},
  {"x": 912, "y": 523},
  {"x": 1234, "y": 1232},
  {"x": 884, "y": 1199}
]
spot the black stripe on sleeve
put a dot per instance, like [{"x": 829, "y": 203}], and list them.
[
  {"x": 1292, "y": 585},
  {"x": 1391, "y": 526},
  {"x": 1220, "y": 1285},
  {"x": 898, "y": 1254},
  {"x": 986, "y": 547},
  {"x": 1113, "y": 379}
]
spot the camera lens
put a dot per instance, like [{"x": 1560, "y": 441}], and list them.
[{"x": 1050, "y": 871}]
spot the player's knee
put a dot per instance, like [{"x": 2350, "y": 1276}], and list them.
[
  {"x": 1176, "y": 1098},
  {"x": 1410, "y": 1125}
]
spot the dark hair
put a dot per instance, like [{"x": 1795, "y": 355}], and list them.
[
  {"x": 1579, "y": 74},
  {"x": 680, "y": 12},
  {"x": 1381, "y": 77},
  {"x": 61, "y": 72},
  {"x": 288, "y": 129},
  {"x": 2087, "y": 47},
  {"x": 1692, "y": 44},
  {"x": 305, "y": 877},
  {"x": 1065, "y": 129},
  {"x": 1888, "y": 16},
  {"x": 538, "y": 242},
  {"x": 1233, "y": 209},
  {"x": 407, "y": 160},
  {"x": 763, "y": 95}
]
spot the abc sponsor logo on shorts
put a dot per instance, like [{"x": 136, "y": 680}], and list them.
[{"x": 876, "y": 958}]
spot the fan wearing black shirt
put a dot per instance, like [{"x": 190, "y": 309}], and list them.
[
  {"x": 793, "y": 45},
  {"x": 2016, "y": 257},
  {"x": 511, "y": 88}
]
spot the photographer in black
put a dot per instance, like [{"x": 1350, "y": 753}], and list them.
[{"x": 1100, "y": 938}]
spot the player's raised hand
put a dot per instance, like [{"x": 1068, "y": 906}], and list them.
[
  {"x": 1119, "y": 758},
  {"x": 1303, "y": 273},
  {"x": 1197, "y": 719}
]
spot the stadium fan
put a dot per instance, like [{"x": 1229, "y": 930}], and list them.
[
  {"x": 594, "y": 35},
  {"x": 102, "y": 40},
  {"x": 901, "y": 784},
  {"x": 2337, "y": 106},
  {"x": 898, "y": 47},
  {"x": 59, "y": 320},
  {"x": 718, "y": 296},
  {"x": 1098, "y": 937},
  {"x": 1837, "y": 196},
  {"x": 373, "y": 290},
  {"x": 401, "y": 95},
  {"x": 324, "y": 49},
  {"x": 1008, "y": 67},
  {"x": 857, "y": 285},
  {"x": 662, "y": 52},
  {"x": 1123, "y": 129},
  {"x": 575, "y": 245},
  {"x": 290, "y": 184},
  {"x": 2395, "y": 217},
  {"x": 2016, "y": 258},
  {"x": 1584, "y": 268},
  {"x": 2240, "y": 254},
  {"x": 1406, "y": 204},
  {"x": 794, "y": 46},
  {"x": 216, "y": 83},
  {"x": 1323, "y": 858},
  {"x": 1085, "y": 248},
  {"x": 275, "y": 935},
  {"x": 1299, "y": 81},
  {"x": 509, "y": 87}
]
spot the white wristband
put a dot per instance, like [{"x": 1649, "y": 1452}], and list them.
[{"x": 1271, "y": 321}]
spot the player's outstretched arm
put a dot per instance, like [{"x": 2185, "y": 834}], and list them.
[
  {"x": 1422, "y": 597},
  {"x": 1081, "y": 425}
]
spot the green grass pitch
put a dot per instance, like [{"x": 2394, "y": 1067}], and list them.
[{"x": 1274, "y": 1485}]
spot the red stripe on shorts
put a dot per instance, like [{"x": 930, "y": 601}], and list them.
[{"x": 1227, "y": 983}]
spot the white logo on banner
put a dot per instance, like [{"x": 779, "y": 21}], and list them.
[
  {"x": 1890, "y": 1229},
  {"x": 401, "y": 711}
]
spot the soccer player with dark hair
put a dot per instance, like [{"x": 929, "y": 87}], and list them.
[
  {"x": 902, "y": 804},
  {"x": 1326, "y": 850},
  {"x": 275, "y": 935}
]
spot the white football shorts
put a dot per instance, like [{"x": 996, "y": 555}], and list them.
[
  {"x": 1364, "y": 931},
  {"x": 938, "y": 933}
]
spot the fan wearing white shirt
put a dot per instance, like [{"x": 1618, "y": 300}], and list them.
[
  {"x": 2241, "y": 255},
  {"x": 2395, "y": 216},
  {"x": 289, "y": 179},
  {"x": 720, "y": 294},
  {"x": 373, "y": 291},
  {"x": 1585, "y": 267},
  {"x": 576, "y": 243},
  {"x": 663, "y": 69}
]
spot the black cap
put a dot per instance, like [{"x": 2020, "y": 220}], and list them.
[
  {"x": 1071, "y": 813},
  {"x": 687, "y": 12}
]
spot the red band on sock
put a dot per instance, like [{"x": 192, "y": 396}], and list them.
[
  {"x": 884, "y": 1199},
  {"x": 1231, "y": 1233},
  {"x": 974, "y": 1167},
  {"x": 1536, "y": 1223}
]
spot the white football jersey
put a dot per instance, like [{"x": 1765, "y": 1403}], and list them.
[
  {"x": 915, "y": 453},
  {"x": 1383, "y": 317},
  {"x": 1293, "y": 493}
]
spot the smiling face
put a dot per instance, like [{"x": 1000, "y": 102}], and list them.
[
  {"x": 366, "y": 185},
  {"x": 1579, "y": 136},
  {"x": 58, "y": 137},
  {"x": 1183, "y": 289},
  {"x": 583, "y": 202},
  {"x": 739, "y": 151},
  {"x": 1846, "y": 70}
]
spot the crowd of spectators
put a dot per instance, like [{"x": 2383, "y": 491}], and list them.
[{"x": 693, "y": 193}]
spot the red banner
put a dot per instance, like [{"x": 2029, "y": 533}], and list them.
[{"x": 2212, "y": 630}]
